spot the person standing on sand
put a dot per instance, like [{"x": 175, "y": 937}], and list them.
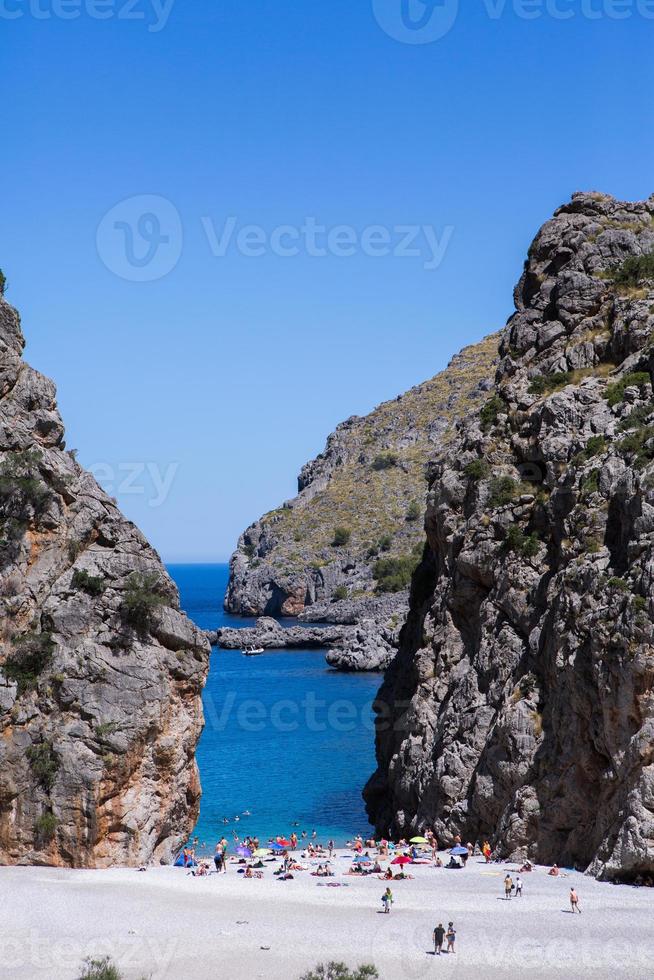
[
  {"x": 508, "y": 887},
  {"x": 218, "y": 858},
  {"x": 387, "y": 900},
  {"x": 450, "y": 935},
  {"x": 330, "y": 846},
  {"x": 518, "y": 887},
  {"x": 486, "y": 851},
  {"x": 439, "y": 936},
  {"x": 574, "y": 902}
]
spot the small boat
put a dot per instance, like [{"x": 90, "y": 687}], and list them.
[{"x": 253, "y": 652}]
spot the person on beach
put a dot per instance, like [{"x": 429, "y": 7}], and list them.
[
  {"x": 450, "y": 935},
  {"x": 330, "y": 847},
  {"x": 554, "y": 871},
  {"x": 439, "y": 936},
  {"x": 486, "y": 851},
  {"x": 574, "y": 902},
  {"x": 508, "y": 887},
  {"x": 387, "y": 900},
  {"x": 218, "y": 859},
  {"x": 518, "y": 887}
]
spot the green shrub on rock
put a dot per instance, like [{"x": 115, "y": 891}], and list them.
[
  {"x": 385, "y": 461},
  {"x": 503, "y": 489},
  {"x": 413, "y": 511},
  {"x": 91, "y": 584},
  {"x": 44, "y": 763},
  {"x": 342, "y": 537},
  {"x": 490, "y": 411},
  {"x": 525, "y": 544},
  {"x": 547, "y": 383},
  {"x": 615, "y": 392},
  {"x": 477, "y": 469},
  {"x": 3, "y": 283},
  {"x": 31, "y": 655},
  {"x": 142, "y": 597},
  {"x": 394, "y": 574},
  {"x": 634, "y": 270},
  {"x": 45, "y": 827}
]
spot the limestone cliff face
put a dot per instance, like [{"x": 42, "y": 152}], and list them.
[
  {"x": 520, "y": 705},
  {"x": 370, "y": 483},
  {"x": 100, "y": 674}
]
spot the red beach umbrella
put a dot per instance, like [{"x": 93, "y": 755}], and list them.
[{"x": 402, "y": 859}]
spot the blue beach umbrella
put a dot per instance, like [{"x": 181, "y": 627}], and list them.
[
  {"x": 277, "y": 847},
  {"x": 459, "y": 851}
]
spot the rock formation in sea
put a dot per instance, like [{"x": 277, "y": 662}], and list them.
[
  {"x": 343, "y": 550},
  {"x": 520, "y": 706},
  {"x": 100, "y": 673}
]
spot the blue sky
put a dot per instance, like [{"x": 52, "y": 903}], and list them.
[{"x": 201, "y": 392}]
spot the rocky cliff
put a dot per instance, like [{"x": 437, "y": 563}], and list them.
[
  {"x": 100, "y": 673},
  {"x": 520, "y": 705},
  {"x": 356, "y": 527}
]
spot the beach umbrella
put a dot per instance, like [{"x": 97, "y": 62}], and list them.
[
  {"x": 277, "y": 847},
  {"x": 261, "y": 852},
  {"x": 284, "y": 843},
  {"x": 244, "y": 852},
  {"x": 418, "y": 840},
  {"x": 458, "y": 850},
  {"x": 402, "y": 859}
]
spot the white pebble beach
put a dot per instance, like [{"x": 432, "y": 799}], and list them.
[{"x": 167, "y": 925}]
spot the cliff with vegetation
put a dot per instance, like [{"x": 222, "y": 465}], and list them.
[
  {"x": 100, "y": 673},
  {"x": 520, "y": 706},
  {"x": 344, "y": 549}
]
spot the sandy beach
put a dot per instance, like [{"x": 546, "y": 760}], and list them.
[{"x": 167, "y": 925}]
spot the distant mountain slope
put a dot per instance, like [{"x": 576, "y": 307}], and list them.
[{"x": 356, "y": 526}]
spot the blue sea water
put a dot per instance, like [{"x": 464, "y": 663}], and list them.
[{"x": 285, "y": 737}]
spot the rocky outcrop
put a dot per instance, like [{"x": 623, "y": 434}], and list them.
[
  {"x": 361, "y": 502},
  {"x": 520, "y": 705},
  {"x": 100, "y": 673},
  {"x": 367, "y": 647},
  {"x": 271, "y": 635}
]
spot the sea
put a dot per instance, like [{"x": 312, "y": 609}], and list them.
[{"x": 288, "y": 744}]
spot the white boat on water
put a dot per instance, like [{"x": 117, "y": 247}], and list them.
[{"x": 253, "y": 651}]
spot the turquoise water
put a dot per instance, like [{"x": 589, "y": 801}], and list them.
[{"x": 285, "y": 738}]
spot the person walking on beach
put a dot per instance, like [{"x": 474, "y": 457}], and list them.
[
  {"x": 518, "y": 887},
  {"x": 439, "y": 936},
  {"x": 218, "y": 858},
  {"x": 330, "y": 846},
  {"x": 450, "y": 935},
  {"x": 508, "y": 887},
  {"x": 574, "y": 902},
  {"x": 387, "y": 900}
]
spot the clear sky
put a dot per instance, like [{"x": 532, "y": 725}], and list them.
[{"x": 201, "y": 390}]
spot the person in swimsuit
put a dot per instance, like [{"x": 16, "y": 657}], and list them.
[
  {"x": 450, "y": 935},
  {"x": 574, "y": 902}
]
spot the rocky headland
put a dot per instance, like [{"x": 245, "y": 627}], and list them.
[
  {"x": 100, "y": 673},
  {"x": 344, "y": 549},
  {"x": 520, "y": 706}
]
